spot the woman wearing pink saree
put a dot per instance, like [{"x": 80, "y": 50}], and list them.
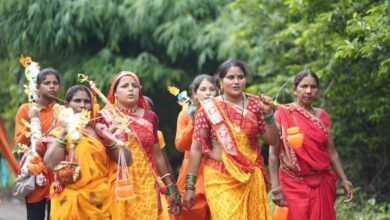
[{"x": 305, "y": 181}]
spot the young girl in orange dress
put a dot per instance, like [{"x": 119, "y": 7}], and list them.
[
  {"x": 48, "y": 86},
  {"x": 202, "y": 87}
]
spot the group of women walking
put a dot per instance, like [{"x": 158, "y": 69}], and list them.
[{"x": 222, "y": 176}]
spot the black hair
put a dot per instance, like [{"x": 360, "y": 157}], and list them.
[
  {"x": 72, "y": 90},
  {"x": 149, "y": 101},
  {"x": 224, "y": 67},
  {"x": 302, "y": 74},
  {"x": 46, "y": 72},
  {"x": 198, "y": 80}
]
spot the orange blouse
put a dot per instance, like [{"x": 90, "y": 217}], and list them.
[
  {"x": 183, "y": 142},
  {"x": 47, "y": 120}
]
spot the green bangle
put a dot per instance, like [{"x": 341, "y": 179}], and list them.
[
  {"x": 190, "y": 187},
  {"x": 171, "y": 188},
  {"x": 61, "y": 142},
  {"x": 269, "y": 119},
  {"x": 112, "y": 147},
  {"x": 191, "y": 177}
]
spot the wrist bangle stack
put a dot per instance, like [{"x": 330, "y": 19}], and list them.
[
  {"x": 171, "y": 188},
  {"x": 269, "y": 119},
  {"x": 190, "y": 181}
]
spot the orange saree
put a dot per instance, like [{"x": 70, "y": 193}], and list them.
[{"x": 183, "y": 142}]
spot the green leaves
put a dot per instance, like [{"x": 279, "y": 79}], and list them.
[{"x": 168, "y": 42}]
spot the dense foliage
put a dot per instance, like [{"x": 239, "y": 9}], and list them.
[{"x": 167, "y": 42}]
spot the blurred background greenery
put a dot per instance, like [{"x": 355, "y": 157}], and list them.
[{"x": 168, "y": 42}]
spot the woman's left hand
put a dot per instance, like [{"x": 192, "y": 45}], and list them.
[
  {"x": 266, "y": 104},
  {"x": 174, "y": 204},
  {"x": 347, "y": 187}
]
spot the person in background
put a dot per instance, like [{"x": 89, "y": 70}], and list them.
[
  {"x": 48, "y": 86},
  {"x": 202, "y": 87},
  {"x": 305, "y": 179}
]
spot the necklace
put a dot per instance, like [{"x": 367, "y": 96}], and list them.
[
  {"x": 133, "y": 110},
  {"x": 311, "y": 110},
  {"x": 238, "y": 129}
]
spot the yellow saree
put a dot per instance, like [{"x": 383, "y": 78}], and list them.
[
  {"x": 145, "y": 205},
  {"x": 235, "y": 187},
  {"x": 88, "y": 198}
]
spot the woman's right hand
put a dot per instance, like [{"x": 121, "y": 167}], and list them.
[
  {"x": 278, "y": 199},
  {"x": 189, "y": 199}
]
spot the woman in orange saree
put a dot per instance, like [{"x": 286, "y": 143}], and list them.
[
  {"x": 308, "y": 169},
  {"x": 226, "y": 130},
  {"x": 85, "y": 196},
  {"x": 202, "y": 87},
  {"x": 138, "y": 130}
]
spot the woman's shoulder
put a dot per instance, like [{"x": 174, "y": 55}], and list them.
[
  {"x": 323, "y": 116},
  {"x": 320, "y": 112},
  {"x": 24, "y": 107},
  {"x": 150, "y": 116},
  {"x": 254, "y": 105},
  {"x": 184, "y": 113}
]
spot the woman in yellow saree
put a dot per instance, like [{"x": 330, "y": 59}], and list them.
[
  {"x": 85, "y": 196},
  {"x": 138, "y": 130},
  {"x": 226, "y": 129}
]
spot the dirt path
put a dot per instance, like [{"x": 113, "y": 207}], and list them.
[{"x": 12, "y": 209}]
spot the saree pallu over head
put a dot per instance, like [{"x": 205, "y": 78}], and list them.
[
  {"x": 312, "y": 157},
  {"x": 111, "y": 94},
  {"x": 140, "y": 137},
  {"x": 239, "y": 192},
  {"x": 88, "y": 198}
]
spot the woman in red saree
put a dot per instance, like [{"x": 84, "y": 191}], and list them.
[
  {"x": 308, "y": 171},
  {"x": 138, "y": 130},
  {"x": 226, "y": 132}
]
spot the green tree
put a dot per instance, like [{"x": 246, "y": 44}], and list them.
[
  {"x": 347, "y": 44},
  {"x": 168, "y": 42}
]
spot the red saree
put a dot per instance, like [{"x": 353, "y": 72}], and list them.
[{"x": 308, "y": 182}]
